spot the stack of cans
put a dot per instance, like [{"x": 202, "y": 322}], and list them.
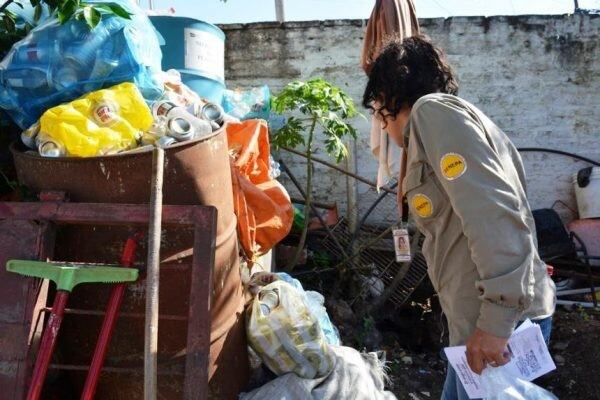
[{"x": 175, "y": 123}]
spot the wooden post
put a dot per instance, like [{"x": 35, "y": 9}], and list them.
[
  {"x": 279, "y": 11},
  {"x": 352, "y": 211},
  {"x": 152, "y": 277}
]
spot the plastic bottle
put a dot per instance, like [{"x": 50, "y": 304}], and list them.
[
  {"x": 65, "y": 77},
  {"x": 274, "y": 168},
  {"x": 82, "y": 51},
  {"x": 26, "y": 78},
  {"x": 38, "y": 52},
  {"x": 107, "y": 60}
]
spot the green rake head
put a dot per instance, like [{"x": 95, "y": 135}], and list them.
[{"x": 67, "y": 276}]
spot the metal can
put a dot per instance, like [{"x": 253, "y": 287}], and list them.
[
  {"x": 51, "y": 148},
  {"x": 29, "y": 135},
  {"x": 269, "y": 299},
  {"x": 181, "y": 129},
  {"x": 105, "y": 113},
  {"x": 211, "y": 112},
  {"x": 165, "y": 141},
  {"x": 162, "y": 108}
]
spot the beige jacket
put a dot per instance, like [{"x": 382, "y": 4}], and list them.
[{"x": 465, "y": 186}]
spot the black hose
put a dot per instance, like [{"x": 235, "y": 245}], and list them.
[{"x": 560, "y": 152}]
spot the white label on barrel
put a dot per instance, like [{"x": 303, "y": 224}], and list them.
[{"x": 204, "y": 52}]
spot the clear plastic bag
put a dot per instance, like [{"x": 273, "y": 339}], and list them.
[
  {"x": 286, "y": 335},
  {"x": 253, "y": 103},
  {"x": 316, "y": 304},
  {"x": 498, "y": 384},
  {"x": 56, "y": 63}
]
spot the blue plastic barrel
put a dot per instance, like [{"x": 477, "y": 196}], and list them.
[{"x": 197, "y": 50}]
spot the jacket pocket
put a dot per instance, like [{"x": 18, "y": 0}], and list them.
[{"x": 425, "y": 199}]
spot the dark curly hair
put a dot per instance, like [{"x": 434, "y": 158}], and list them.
[{"x": 405, "y": 71}]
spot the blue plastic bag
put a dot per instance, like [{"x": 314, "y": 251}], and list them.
[
  {"x": 315, "y": 302},
  {"x": 55, "y": 63}
]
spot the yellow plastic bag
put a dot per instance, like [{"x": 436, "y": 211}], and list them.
[
  {"x": 103, "y": 122},
  {"x": 286, "y": 335}
]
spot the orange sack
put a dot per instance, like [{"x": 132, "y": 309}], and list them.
[{"x": 262, "y": 205}]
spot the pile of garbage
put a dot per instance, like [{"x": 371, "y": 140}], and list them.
[
  {"x": 290, "y": 332},
  {"x": 118, "y": 120},
  {"x": 81, "y": 92}
]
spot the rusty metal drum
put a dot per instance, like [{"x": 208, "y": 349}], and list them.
[{"x": 196, "y": 172}]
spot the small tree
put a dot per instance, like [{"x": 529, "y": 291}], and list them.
[{"x": 322, "y": 105}]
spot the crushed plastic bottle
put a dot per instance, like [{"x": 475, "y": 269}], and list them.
[{"x": 274, "y": 168}]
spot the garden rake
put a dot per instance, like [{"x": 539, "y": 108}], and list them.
[{"x": 66, "y": 276}]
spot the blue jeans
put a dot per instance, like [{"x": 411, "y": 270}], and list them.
[{"x": 453, "y": 388}]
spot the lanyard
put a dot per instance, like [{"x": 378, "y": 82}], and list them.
[{"x": 400, "y": 233}]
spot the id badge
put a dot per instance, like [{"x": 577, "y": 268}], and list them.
[{"x": 401, "y": 244}]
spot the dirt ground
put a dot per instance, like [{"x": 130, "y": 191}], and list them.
[{"x": 418, "y": 373}]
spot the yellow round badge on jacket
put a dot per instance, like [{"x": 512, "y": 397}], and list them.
[
  {"x": 453, "y": 166},
  {"x": 422, "y": 205}
]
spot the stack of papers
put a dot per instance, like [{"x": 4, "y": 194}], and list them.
[{"x": 529, "y": 359}]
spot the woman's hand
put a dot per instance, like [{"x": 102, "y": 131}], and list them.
[{"x": 484, "y": 349}]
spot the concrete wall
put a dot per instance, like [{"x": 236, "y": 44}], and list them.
[{"x": 536, "y": 76}]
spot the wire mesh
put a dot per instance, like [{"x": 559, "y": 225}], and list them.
[{"x": 371, "y": 246}]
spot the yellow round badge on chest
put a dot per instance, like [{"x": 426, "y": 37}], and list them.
[
  {"x": 453, "y": 166},
  {"x": 422, "y": 205}
]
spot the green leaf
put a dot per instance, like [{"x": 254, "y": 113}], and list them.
[
  {"x": 9, "y": 23},
  {"x": 35, "y": 3},
  {"x": 116, "y": 9},
  {"x": 11, "y": 14},
  {"x": 92, "y": 16},
  {"x": 290, "y": 135},
  {"x": 66, "y": 10},
  {"x": 18, "y": 4},
  {"x": 37, "y": 14}
]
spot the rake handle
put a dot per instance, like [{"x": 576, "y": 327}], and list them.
[
  {"x": 47, "y": 345},
  {"x": 108, "y": 325}
]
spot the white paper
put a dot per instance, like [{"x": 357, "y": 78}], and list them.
[
  {"x": 529, "y": 359},
  {"x": 204, "y": 52}
]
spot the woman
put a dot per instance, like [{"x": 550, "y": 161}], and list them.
[{"x": 465, "y": 187}]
